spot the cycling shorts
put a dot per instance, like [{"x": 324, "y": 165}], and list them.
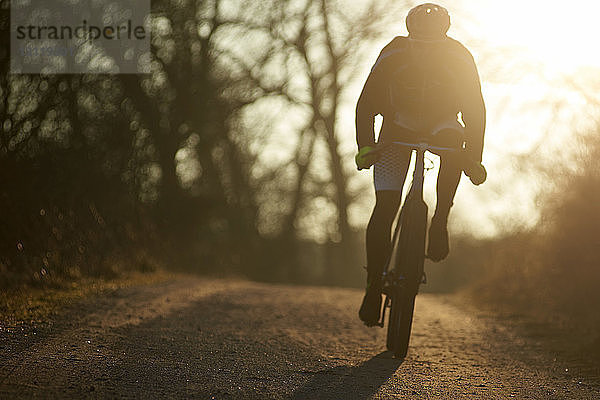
[{"x": 389, "y": 172}]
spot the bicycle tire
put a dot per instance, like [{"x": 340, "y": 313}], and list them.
[
  {"x": 393, "y": 320},
  {"x": 405, "y": 306},
  {"x": 411, "y": 252},
  {"x": 411, "y": 244}
]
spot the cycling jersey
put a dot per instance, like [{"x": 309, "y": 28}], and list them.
[{"x": 419, "y": 86}]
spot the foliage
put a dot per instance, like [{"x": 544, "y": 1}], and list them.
[{"x": 104, "y": 173}]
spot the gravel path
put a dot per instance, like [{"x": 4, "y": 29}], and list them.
[{"x": 212, "y": 339}]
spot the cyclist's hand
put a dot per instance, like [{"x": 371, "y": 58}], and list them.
[
  {"x": 366, "y": 157},
  {"x": 475, "y": 171}
]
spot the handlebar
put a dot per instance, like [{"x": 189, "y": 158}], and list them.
[
  {"x": 419, "y": 146},
  {"x": 422, "y": 146},
  {"x": 475, "y": 170}
]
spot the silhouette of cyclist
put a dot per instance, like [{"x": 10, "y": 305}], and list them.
[{"x": 426, "y": 86}]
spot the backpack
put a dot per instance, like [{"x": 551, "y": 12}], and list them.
[{"x": 421, "y": 81}]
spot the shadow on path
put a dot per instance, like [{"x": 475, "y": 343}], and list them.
[{"x": 359, "y": 382}]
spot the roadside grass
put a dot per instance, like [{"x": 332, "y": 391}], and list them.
[{"x": 28, "y": 305}]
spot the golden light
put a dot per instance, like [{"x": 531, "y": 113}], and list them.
[
  {"x": 528, "y": 52},
  {"x": 562, "y": 35}
]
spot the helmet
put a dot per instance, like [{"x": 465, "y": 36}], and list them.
[{"x": 428, "y": 22}]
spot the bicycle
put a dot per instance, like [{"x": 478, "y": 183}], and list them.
[{"x": 405, "y": 268}]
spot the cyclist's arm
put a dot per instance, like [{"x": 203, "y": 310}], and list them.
[
  {"x": 473, "y": 111},
  {"x": 371, "y": 100},
  {"x": 366, "y": 110}
]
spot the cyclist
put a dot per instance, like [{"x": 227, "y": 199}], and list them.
[{"x": 423, "y": 84}]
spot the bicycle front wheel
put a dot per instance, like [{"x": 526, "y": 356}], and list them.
[{"x": 400, "y": 322}]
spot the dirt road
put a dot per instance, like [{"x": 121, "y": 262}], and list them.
[{"x": 193, "y": 338}]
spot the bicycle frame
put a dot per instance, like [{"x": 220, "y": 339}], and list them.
[
  {"x": 405, "y": 268},
  {"x": 415, "y": 192}
]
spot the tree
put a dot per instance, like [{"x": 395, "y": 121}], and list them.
[{"x": 323, "y": 46}]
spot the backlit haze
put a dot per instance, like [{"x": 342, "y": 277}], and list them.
[
  {"x": 535, "y": 60},
  {"x": 538, "y": 65}
]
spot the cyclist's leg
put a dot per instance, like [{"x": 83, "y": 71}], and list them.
[
  {"x": 448, "y": 179},
  {"x": 389, "y": 175},
  {"x": 378, "y": 238}
]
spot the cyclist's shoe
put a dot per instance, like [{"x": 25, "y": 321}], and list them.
[
  {"x": 438, "y": 247},
  {"x": 370, "y": 309}
]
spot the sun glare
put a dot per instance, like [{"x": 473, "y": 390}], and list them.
[{"x": 561, "y": 35}]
